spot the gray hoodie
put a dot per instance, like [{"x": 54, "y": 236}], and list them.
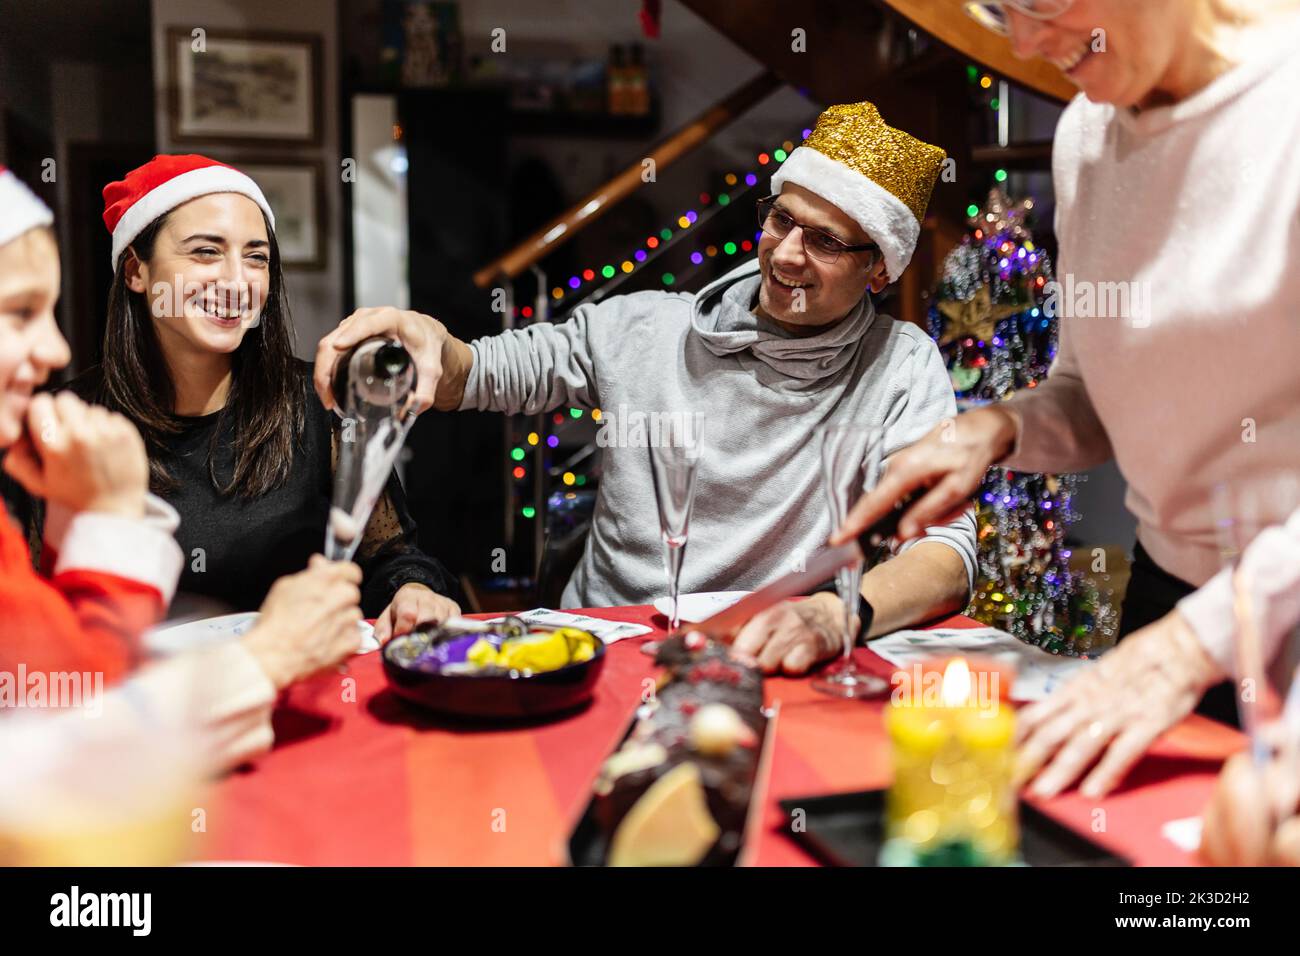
[{"x": 759, "y": 503}]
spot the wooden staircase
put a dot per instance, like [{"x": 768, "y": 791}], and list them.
[
  {"x": 863, "y": 49},
  {"x": 909, "y": 57}
]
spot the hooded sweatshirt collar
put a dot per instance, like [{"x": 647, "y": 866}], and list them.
[{"x": 722, "y": 317}]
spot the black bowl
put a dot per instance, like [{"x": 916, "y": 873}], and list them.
[{"x": 508, "y": 696}]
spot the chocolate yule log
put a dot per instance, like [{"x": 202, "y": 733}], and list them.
[{"x": 677, "y": 792}]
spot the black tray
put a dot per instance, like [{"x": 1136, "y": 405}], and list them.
[
  {"x": 587, "y": 845},
  {"x": 845, "y": 829}
]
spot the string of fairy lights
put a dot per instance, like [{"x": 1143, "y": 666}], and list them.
[{"x": 657, "y": 243}]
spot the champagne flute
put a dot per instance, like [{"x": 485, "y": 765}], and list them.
[
  {"x": 674, "y": 460},
  {"x": 851, "y": 456},
  {"x": 372, "y": 384}
]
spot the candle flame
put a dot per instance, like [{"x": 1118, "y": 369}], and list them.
[{"x": 956, "y": 683}]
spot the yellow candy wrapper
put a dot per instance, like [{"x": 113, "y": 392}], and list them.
[
  {"x": 582, "y": 646},
  {"x": 535, "y": 652},
  {"x": 482, "y": 653}
]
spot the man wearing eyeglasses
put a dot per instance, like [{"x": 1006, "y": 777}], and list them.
[{"x": 784, "y": 342}]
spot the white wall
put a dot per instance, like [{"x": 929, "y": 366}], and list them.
[
  {"x": 315, "y": 298},
  {"x": 380, "y": 230}
]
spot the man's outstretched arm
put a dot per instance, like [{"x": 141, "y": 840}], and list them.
[{"x": 521, "y": 371}]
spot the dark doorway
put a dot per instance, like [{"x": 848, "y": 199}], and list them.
[{"x": 87, "y": 257}]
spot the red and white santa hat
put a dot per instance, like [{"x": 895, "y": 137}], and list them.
[
  {"x": 162, "y": 184},
  {"x": 20, "y": 208}
]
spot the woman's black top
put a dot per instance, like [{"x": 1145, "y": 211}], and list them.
[{"x": 235, "y": 548}]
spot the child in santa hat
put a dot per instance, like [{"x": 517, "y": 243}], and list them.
[{"x": 113, "y": 561}]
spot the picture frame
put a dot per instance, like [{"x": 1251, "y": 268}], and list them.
[
  {"x": 246, "y": 88},
  {"x": 422, "y": 42},
  {"x": 295, "y": 190}
]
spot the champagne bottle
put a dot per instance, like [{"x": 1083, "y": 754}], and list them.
[{"x": 375, "y": 372}]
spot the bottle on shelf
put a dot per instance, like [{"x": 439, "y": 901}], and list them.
[
  {"x": 617, "y": 81},
  {"x": 638, "y": 83}
]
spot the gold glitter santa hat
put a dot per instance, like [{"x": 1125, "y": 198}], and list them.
[{"x": 879, "y": 175}]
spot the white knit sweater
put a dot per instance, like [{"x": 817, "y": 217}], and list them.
[{"x": 1196, "y": 382}]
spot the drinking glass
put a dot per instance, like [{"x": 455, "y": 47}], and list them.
[
  {"x": 675, "y": 446},
  {"x": 851, "y": 462}
]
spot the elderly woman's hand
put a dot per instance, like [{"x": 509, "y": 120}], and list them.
[{"x": 1115, "y": 709}]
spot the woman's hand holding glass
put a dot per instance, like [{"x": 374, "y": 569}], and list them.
[{"x": 308, "y": 621}]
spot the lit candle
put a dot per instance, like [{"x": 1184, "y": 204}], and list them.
[{"x": 953, "y": 799}]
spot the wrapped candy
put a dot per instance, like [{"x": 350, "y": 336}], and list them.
[
  {"x": 534, "y": 652},
  {"x": 507, "y": 646}
]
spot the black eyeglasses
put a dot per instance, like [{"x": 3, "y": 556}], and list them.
[{"x": 818, "y": 243}]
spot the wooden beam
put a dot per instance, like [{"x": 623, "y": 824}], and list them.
[
  {"x": 1032, "y": 155},
  {"x": 947, "y": 22}
]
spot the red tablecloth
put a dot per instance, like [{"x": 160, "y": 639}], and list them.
[{"x": 358, "y": 778}]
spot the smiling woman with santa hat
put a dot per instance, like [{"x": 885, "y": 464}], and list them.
[
  {"x": 198, "y": 355},
  {"x": 108, "y": 545}
]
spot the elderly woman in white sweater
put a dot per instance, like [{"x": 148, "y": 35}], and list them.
[{"x": 1174, "y": 170}]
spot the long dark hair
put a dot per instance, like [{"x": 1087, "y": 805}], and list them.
[{"x": 266, "y": 400}]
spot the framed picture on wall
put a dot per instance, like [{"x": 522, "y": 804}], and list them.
[
  {"x": 244, "y": 87},
  {"x": 295, "y": 191}
]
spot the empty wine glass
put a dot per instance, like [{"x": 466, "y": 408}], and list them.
[
  {"x": 851, "y": 463},
  {"x": 675, "y": 447}
]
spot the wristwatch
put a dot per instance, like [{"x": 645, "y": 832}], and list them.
[{"x": 866, "y": 613}]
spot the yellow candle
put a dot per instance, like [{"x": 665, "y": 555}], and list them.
[{"x": 953, "y": 767}]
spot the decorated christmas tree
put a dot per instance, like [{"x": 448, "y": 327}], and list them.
[{"x": 989, "y": 319}]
